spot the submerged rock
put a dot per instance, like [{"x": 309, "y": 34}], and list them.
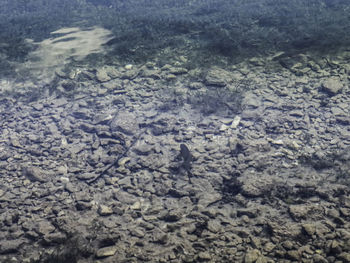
[
  {"x": 218, "y": 77},
  {"x": 126, "y": 122},
  {"x": 34, "y": 174},
  {"x": 332, "y": 86}
]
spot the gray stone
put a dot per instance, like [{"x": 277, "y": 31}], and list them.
[
  {"x": 87, "y": 176},
  {"x": 204, "y": 256},
  {"x": 44, "y": 227},
  {"x": 344, "y": 256},
  {"x": 10, "y": 246},
  {"x": 56, "y": 237},
  {"x": 310, "y": 229},
  {"x": 59, "y": 102},
  {"x": 38, "y": 106},
  {"x": 319, "y": 259},
  {"x": 218, "y": 77},
  {"x": 4, "y": 155},
  {"x": 137, "y": 232},
  {"x": 172, "y": 216},
  {"x": 251, "y": 256},
  {"x": 177, "y": 71},
  {"x": 102, "y": 75},
  {"x": 106, "y": 251},
  {"x": 130, "y": 74},
  {"x": 125, "y": 122},
  {"x": 143, "y": 149},
  {"x": 83, "y": 114},
  {"x": 102, "y": 118},
  {"x": 34, "y": 174},
  {"x": 332, "y": 86},
  {"x": 125, "y": 197},
  {"x": 87, "y": 127},
  {"x": 104, "y": 210},
  {"x": 251, "y": 101},
  {"x": 293, "y": 254}
]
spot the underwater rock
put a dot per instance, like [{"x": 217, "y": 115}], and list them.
[
  {"x": 177, "y": 70},
  {"x": 44, "y": 227},
  {"x": 10, "y": 246},
  {"x": 104, "y": 210},
  {"x": 251, "y": 256},
  {"x": 102, "y": 76},
  {"x": 86, "y": 176},
  {"x": 106, "y": 251},
  {"x": 332, "y": 86},
  {"x": 125, "y": 122},
  {"x": 34, "y": 174},
  {"x": 218, "y": 77}
]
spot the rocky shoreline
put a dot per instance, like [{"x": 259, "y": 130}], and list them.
[{"x": 92, "y": 172}]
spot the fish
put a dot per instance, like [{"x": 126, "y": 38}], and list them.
[{"x": 187, "y": 157}]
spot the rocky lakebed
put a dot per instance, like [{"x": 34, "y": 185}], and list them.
[{"x": 167, "y": 163}]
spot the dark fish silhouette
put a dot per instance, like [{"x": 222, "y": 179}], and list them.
[{"x": 186, "y": 157}]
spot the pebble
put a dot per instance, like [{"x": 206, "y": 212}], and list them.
[
  {"x": 106, "y": 251},
  {"x": 104, "y": 210}
]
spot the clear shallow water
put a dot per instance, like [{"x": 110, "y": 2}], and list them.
[{"x": 99, "y": 99}]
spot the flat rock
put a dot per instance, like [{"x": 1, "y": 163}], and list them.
[
  {"x": 332, "y": 86},
  {"x": 34, "y": 174},
  {"x": 106, "y": 251},
  {"x": 125, "y": 122},
  {"x": 218, "y": 77},
  {"x": 44, "y": 227},
  {"x": 102, "y": 75},
  {"x": 104, "y": 210},
  {"x": 87, "y": 176},
  {"x": 10, "y": 246}
]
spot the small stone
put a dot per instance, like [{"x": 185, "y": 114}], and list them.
[
  {"x": 104, "y": 210},
  {"x": 137, "y": 232},
  {"x": 123, "y": 161},
  {"x": 223, "y": 127},
  {"x": 335, "y": 247},
  {"x": 332, "y": 86},
  {"x": 45, "y": 227},
  {"x": 55, "y": 237},
  {"x": 170, "y": 76},
  {"x": 217, "y": 77},
  {"x": 10, "y": 246},
  {"x": 173, "y": 216},
  {"x": 86, "y": 176},
  {"x": 310, "y": 229},
  {"x": 125, "y": 122},
  {"x": 319, "y": 259},
  {"x": 128, "y": 66},
  {"x": 298, "y": 211},
  {"x": 102, "y": 75},
  {"x": 34, "y": 174},
  {"x": 177, "y": 71},
  {"x": 204, "y": 256},
  {"x": 235, "y": 122},
  {"x": 251, "y": 256},
  {"x": 214, "y": 226},
  {"x": 293, "y": 254},
  {"x": 102, "y": 118},
  {"x": 38, "y": 106},
  {"x": 344, "y": 256},
  {"x": 136, "y": 206},
  {"x": 106, "y": 251}
]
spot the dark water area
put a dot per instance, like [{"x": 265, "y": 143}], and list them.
[
  {"x": 203, "y": 30},
  {"x": 174, "y": 131}
]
